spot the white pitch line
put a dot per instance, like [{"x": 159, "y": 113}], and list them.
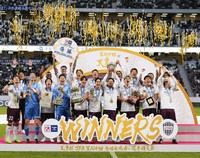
[{"x": 113, "y": 155}]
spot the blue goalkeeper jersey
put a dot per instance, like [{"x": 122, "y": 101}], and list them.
[
  {"x": 60, "y": 99},
  {"x": 32, "y": 99}
]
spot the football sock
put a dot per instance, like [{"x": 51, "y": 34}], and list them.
[
  {"x": 37, "y": 128},
  {"x": 15, "y": 130},
  {"x": 8, "y": 129},
  {"x": 26, "y": 128}
]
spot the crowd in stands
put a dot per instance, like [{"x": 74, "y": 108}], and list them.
[
  {"x": 159, "y": 4},
  {"x": 193, "y": 70},
  {"x": 7, "y": 69},
  {"x": 138, "y": 4},
  {"x": 93, "y": 4},
  {"x": 43, "y": 36},
  {"x": 13, "y": 2}
]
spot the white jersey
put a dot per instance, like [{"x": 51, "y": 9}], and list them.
[
  {"x": 125, "y": 93},
  {"x": 76, "y": 82},
  {"x": 121, "y": 83},
  {"x": 167, "y": 98},
  {"x": 95, "y": 102},
  {"x": 42, "y": 82},
  {"x": 14, "y": 95},
  {"x": 46, "y": 99},
  {"x": 82, "y": 105},
  {"x": 135, "y": 82},
  {"x": 151, "y": 92},
  {"x": 110, "y": 98},
  {"x": 161, "y": 81},
  {"x": 115, "y": 77},
  {"x": 90, "y": 83},
  {"x": 69, "y": 78}
]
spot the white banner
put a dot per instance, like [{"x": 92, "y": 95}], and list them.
[{"x": 65, "y": 50}]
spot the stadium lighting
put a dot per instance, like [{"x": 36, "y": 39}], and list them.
[
  {"x": 164, "y": 15},
  {"x": 135, "y": 14},
  {"x": 120, "y": 14},
  {"x": 192, "y": 16},
  {"x": 178, "y": 15},
  {"x": 2, "y": 12},
  {"x": 91, "y": 14},
  {"x": 10, "y": 52},
  {"x": 105, "y": 14},
  {"x": 149, "y": 14},
  {"x": 17, "y": 12}
]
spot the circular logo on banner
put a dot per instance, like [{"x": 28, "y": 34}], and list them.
[
  {"x": 168, "y": 129},
  {"x": 65, "y": 50},
  {"x": 51, "y": 128}
]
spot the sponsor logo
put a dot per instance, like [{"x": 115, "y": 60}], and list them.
[{"x": 50, "y": 128}]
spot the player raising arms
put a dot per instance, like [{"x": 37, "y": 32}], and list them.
[
  {"x": 61, "y": 99},
  {"x": 13, "y": 112},
  {"x": 32, "y": 108}
]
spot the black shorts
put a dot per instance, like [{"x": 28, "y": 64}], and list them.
[
  {"x": 13, "y": 115},
  {"x": 45, "y": 116},
  {"x": 129, "y": 114},
  {"x": 168, "y": 114},
  {"x": 97, "y": 114},
  {"x": 111, "y": 114},
  {"x": 81, "y": 112},
  {"x": 147, "y": 112}
]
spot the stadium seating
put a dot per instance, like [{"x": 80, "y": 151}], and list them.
[
  {"x": 6, "y": 70},
  {"x": 193, "y": 70}
]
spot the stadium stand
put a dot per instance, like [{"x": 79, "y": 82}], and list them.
[{"x": 193, "y": 70}]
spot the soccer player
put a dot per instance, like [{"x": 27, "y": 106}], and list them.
[
  {"x": 167, "y": 75},
  {"x": 48, "y": 75},
  {"x": 111, "y": 74},
  {"x": 81, "y": 107},
  {"x": 76, "y": 81},
  {"x": 47, "y": 108},
  {"x": 13, "y": 112},
  {"x": 149, "y": 97},
  {"x": 91, "y": 81},
  {"x": 135, "y": 82},
  {"x": 120, "y": 76},
  {"x": 134, "y": 78},
  {"x": 61, "y": 99},
  {"x": 95, "y": 101},
  {"x": 128, "y": 98},
  {"x": 22, "y": 83},
  {"x": 167, "y": 109},
  {"x": 32, "y": 108},
  {"x": 110, "y": 99},
  {"x": 63, "y": 68}
]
